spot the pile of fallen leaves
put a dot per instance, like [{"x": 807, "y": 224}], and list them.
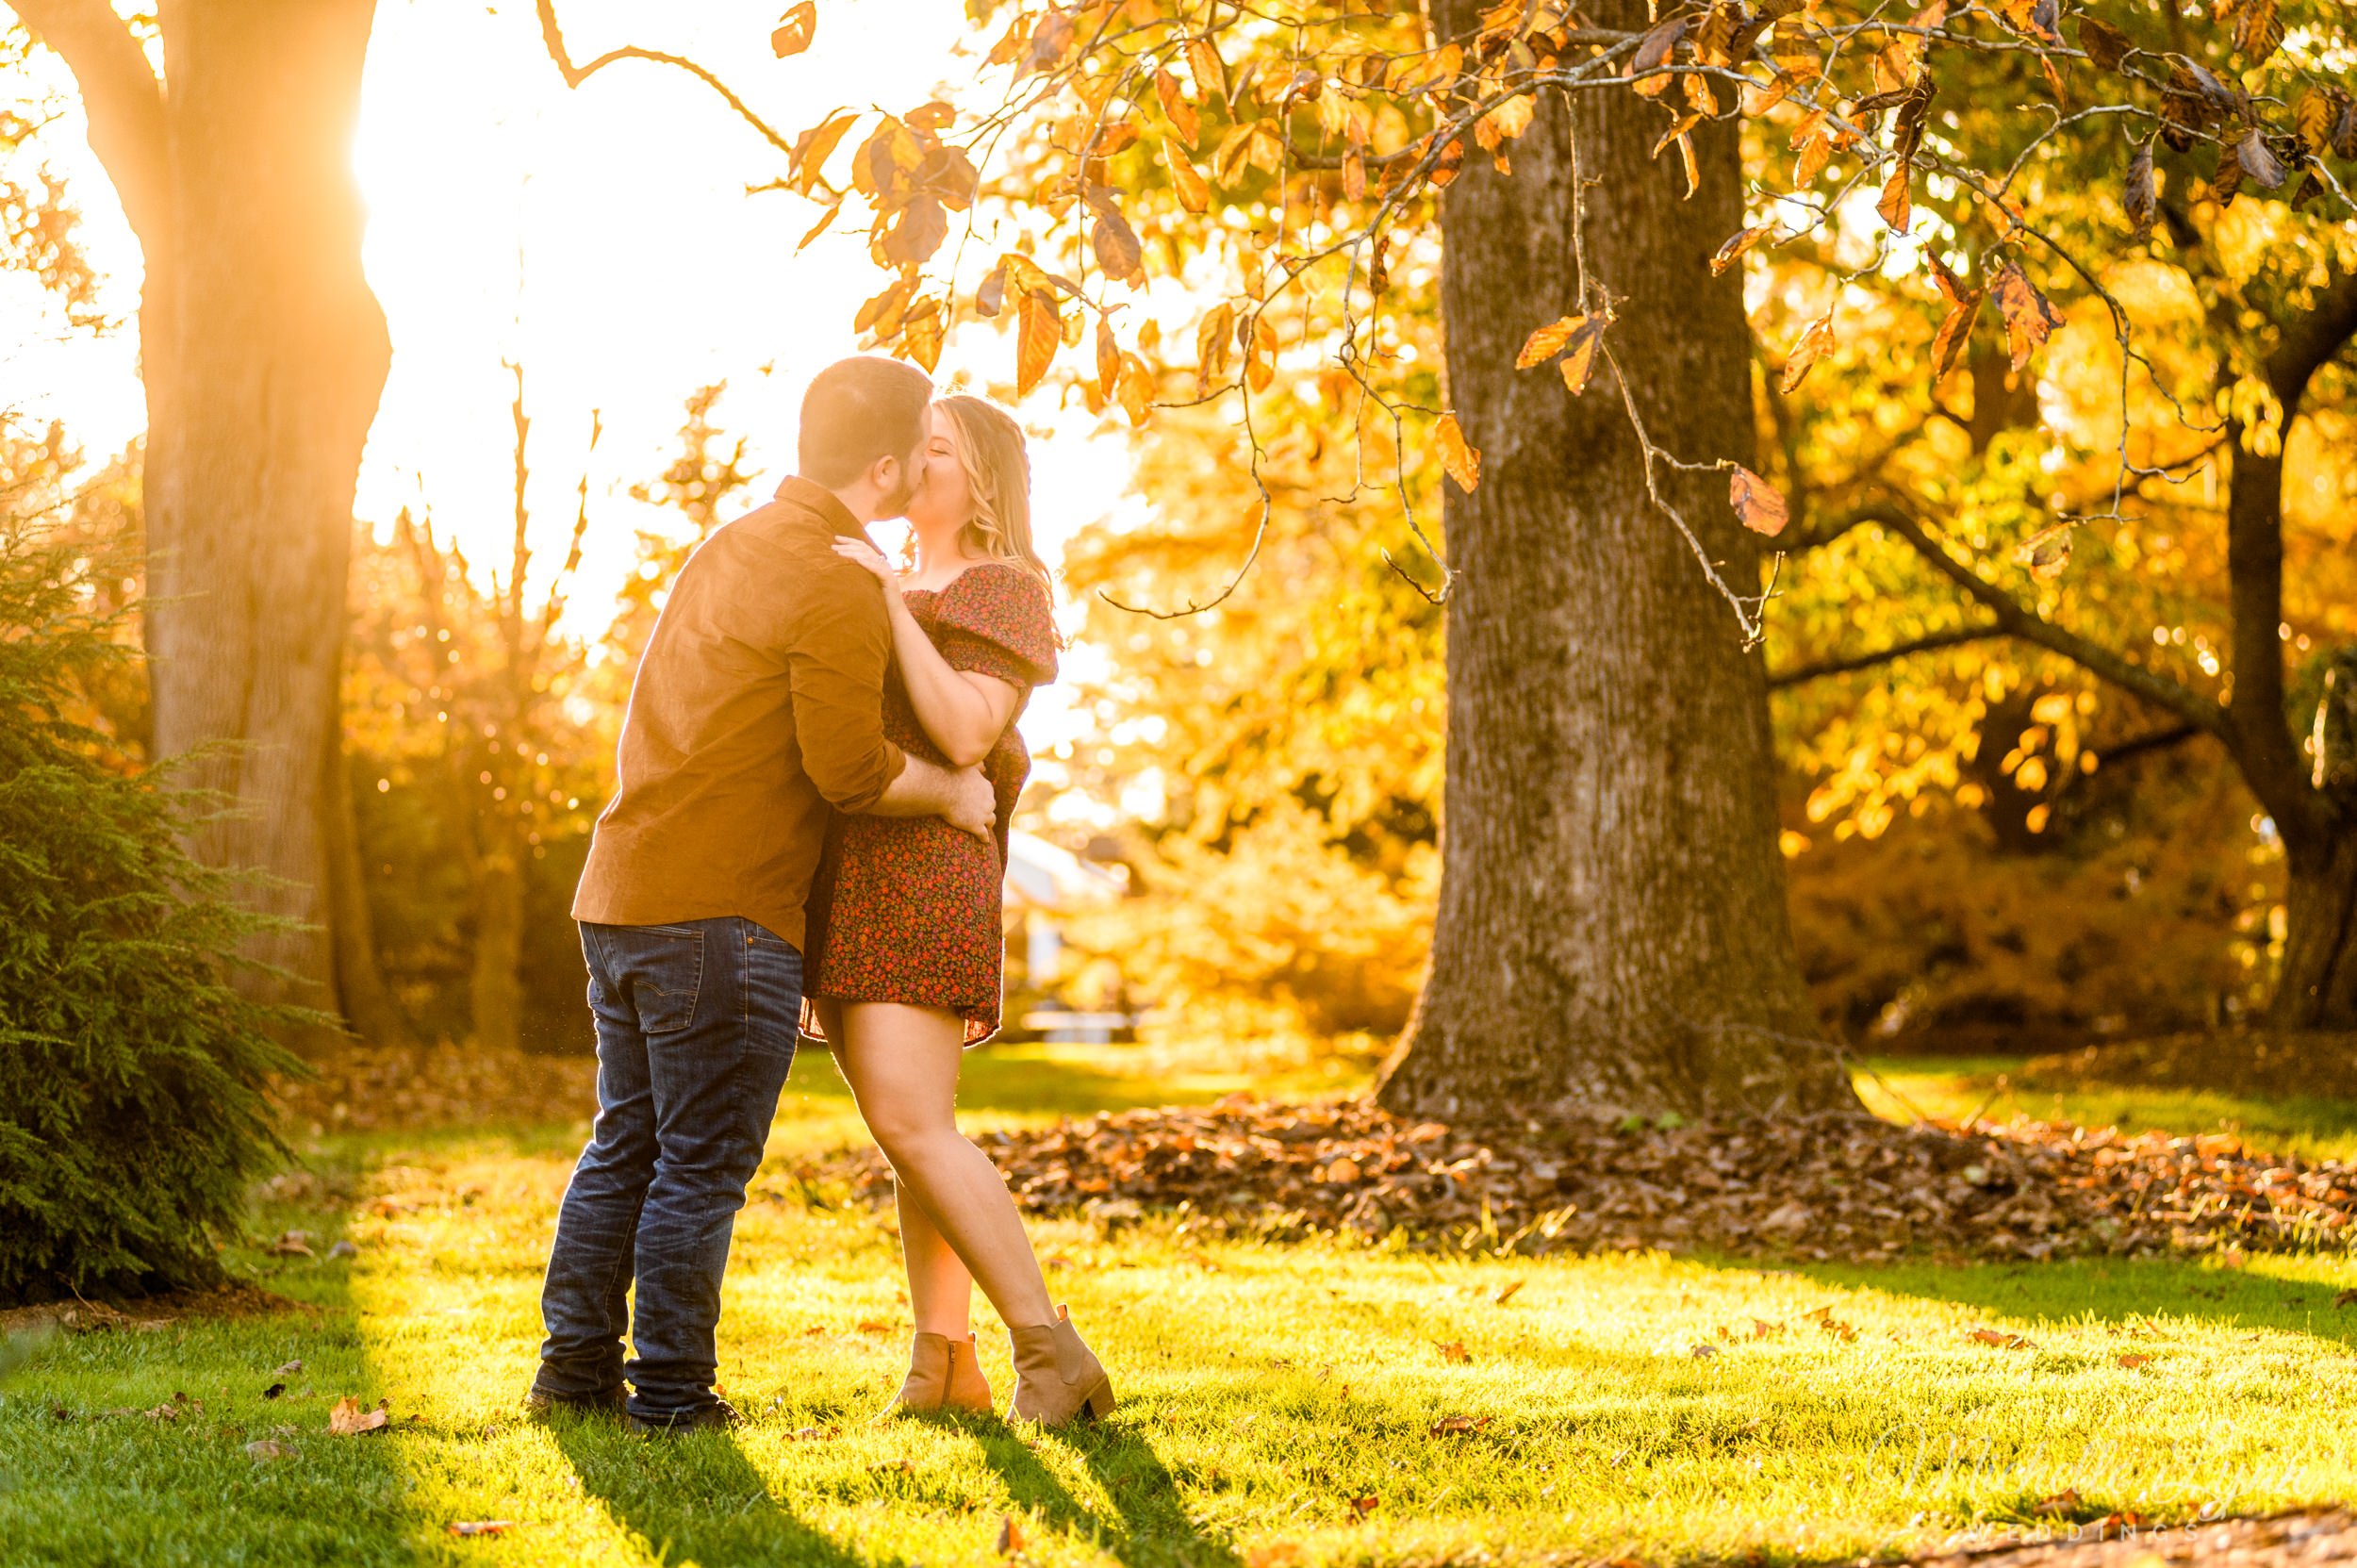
[
  {"x": 2278, "y": 1541},
  {"x": 368, "y": 1089},
  {"x": 1846, "y": 1187}
]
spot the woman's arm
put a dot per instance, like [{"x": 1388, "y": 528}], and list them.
[{"x": 963, "y": 710}]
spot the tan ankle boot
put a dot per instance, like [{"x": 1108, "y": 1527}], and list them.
[
  {"x": 942, "y": 1373},
  {"x": 1056, "y": 1377}
]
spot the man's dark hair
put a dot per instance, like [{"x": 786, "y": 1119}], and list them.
[{"x": 858, "y": 410}]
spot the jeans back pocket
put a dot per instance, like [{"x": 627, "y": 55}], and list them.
[{"x": 663, "y": 967}]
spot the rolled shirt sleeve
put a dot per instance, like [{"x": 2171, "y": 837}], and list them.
[{"x": 836, "y": 666}]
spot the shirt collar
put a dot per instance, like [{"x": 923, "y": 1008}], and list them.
[{"x": 824, "y": 503}]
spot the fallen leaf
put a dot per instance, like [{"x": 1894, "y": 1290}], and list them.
[
  {"x": 293, "y": 1243},
  {"x": 2001, "y": 1339},
  {"x": 1451, "y": 1425},
  {"x": 815, "y": 1434},
  {"x": 2060, "y": 1505},
  {"x": 873, "y": 1326},
  {"x": 482, "y": 1526},
  {"x": 349, "y": 1420},
  {"x": 1365, "y": 1505},
  {"x": 2132, "y": 1360},
  {"x": 1010, "y": 1536},
  {"x": 1505, "y": 1292},
  {"x": 1454, "y": 1351},
  {"x": 273, "y": 1391},
  {"x": 268, "y": 1448},
  {"x": 343, "y": 1249}
]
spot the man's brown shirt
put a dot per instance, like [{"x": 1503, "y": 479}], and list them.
[{"x": 758, "y": 705}]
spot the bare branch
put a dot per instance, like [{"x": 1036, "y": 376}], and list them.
[
  {"x": 2017, "y": 619},
  {"x": 1781, "y": 679},
  {"x": 575, "y": 74},
  {"x": 121, "y": 98}
]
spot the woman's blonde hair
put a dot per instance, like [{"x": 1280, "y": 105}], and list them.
[{"x": 998, "y": 476}]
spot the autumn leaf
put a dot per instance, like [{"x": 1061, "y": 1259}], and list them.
[
  {"x": 1194, "y": 190},
  {"x": 1580, "y": 355},
  {"x": 1815, "y": 154},
  {"x": 807, "y": 163},
  {"x": 2138, "y": 199},
  {"x": 2105, "y": 45},
  {"x": 1176, "y": 109},
  {"x": 1732, "y": 252},
  {"x": 921, "y": 335},
  {"x": 1955, "y": 332},
  {"x": 1454, "y": 1352},
  {"x": 1117, "y": 248},
  {"x": 1362, "y": 1506},
  {"x": 1010, "y": 1535},
  {"x": 1210, "y": 346},
  {"x": 1895, "y": 206},
  {"x": 1039, "y": 331},
  {"x": 2003, "y": 1341},
  {"x": 2047, "y": 552},
  {"x": 1653, "y": 50},
  {"x": 794, "y": 33},
  {"x": 884, "y": 307},
  {"x": 2027, "y": 317},
  {"x": 349, "y": 1420},
  {"x": 1457, "y": 1426},
  {"x": 1814, "y": 341},
  {"x": 1461, "y": 460},
  {"x": 2311, "y": 120},
  {"x": 1210, "y": 71},
  {"x": 2134, "y": 1361},
  {"x": 1759, "y": 505},
  {"x": 1547, "y": 341},
  {"x": 1505, "y": 1292},
  {"x": 2258, "y": 31},
  {"x": 1107, "y": 359},
  {"x": 2258, "y": 160},
  {"x": 1260, "y": 355},
  {"x": 470, "y": 1527},
  {"x": 1137, "y": 390}
]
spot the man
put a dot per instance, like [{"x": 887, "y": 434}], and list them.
[{"x": 757, "y": 706}]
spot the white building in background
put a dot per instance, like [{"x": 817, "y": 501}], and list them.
[{"x": 1046, "y": 885}]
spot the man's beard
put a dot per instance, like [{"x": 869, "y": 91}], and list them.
[{"x": 896, "y": 502}]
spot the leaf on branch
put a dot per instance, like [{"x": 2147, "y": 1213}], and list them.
[
  {"x": 1193, "y": 190},
  {"x": 2259, "y": 161},
  {"x": 1260, "y": 355},
  {"x": 2105, "y": 45},
  {"x": 2027, "y": 317},
  {"x": 807, "y": 164},
  {"x": 826, "y": 221},
  {"x": 1732, "y": 252},
  {"x": 1652, "y": 52},
  {"x": 1955, "y": 332},
  {"x": 1010, "y": 42},
  {"x": 1176, "y": 109},
  {"x": 1211, "y": 340},
  {"x": 1814, "y": 341},
  {"x": 2139, "y": 199},
  {"x": 1354, "y": 176},
  {"x": 1117, "y": 248},
  {"x": 917, "y": 234},
  {"x": 888, "y": 304},
  {"x": 1547, "y": 341},
  {"x": 1211, "y": 72},
  {"x": 1051, "y": 41},
  {"x": 2345, "y": 131},
  {"x": 921, "y": 334},
  {"x": 1107, "y": 359},
  {"x": 1452, "y": 159},
  {"x": 2226, "y": 179},
  {"x": 794, "y": 33},
  {"x": 1815, "y": 154},
  {"x": 1137, "y": 389},
  {"x": 931, "y": 118},
  {"x": 1580, "y": 355},
  {"x": 1458, "y": 457},
  {"x": 2312, "y": 121},
  {"x": 2047, "y": 552},
  {"x": 1759, "y": 505},
  {"x": 1039, "y": 331},
  {"x": 1895, "y": 206},
  {"x": 2258, "y": 31}
]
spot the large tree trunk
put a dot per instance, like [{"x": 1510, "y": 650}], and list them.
[
  {"x": 263, "y": 354},
  {"x": 1612, "y": 934},
  {"x": 2318, "y": 985}
]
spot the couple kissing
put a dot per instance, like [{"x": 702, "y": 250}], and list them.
[{"x": 808, "y": 836}]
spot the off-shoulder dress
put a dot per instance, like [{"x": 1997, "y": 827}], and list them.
[{"x": 909, "y": 909}]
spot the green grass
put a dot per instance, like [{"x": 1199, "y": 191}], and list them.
[{"x": 1264, "y": 1389}]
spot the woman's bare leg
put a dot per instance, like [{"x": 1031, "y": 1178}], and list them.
[
  {"x": 903, "y": 1066},
  {"x": 941, "y": 1291}
]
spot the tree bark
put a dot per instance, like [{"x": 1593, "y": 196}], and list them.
[
  {"x": 1612, "y": 934},
  {"x": 263, "y": 354},
  {"x": 2317, "y": 987}
]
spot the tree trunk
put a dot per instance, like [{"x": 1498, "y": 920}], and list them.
[
  {"x": 370, "y": 1009},
  {"x": 263, "y": 354},
  {"x": 498, "y": 946},
  {"x": 1612, "y": 934},
  {"x": 2318, "y": 985}
]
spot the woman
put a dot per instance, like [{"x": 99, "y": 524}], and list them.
[{"x": 905, "y": 937}]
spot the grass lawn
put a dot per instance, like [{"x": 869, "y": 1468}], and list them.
[{"x": 1310, "y": 1404}]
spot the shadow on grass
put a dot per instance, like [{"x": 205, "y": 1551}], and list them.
[
  {"x": 1152, "y": 1528},
  {"x": 2111, "y": 1290},
  {"x": 693, "y": 1497}
]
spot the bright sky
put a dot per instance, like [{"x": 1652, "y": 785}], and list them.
[{"x": 603, "y": 237}]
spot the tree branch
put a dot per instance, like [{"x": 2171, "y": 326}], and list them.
[
  {"x": 2017, "y": 619},
  {"x": 2314, "y": 339},
  {"x": 1799, "y": 675},
  {"x": 121, "y": 98},
  {"x": 575, "y": 74}
]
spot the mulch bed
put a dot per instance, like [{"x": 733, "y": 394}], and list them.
[
  {"x": 146, "y": 1314},
  {"x": 379, "y": 1090},
  {"x": 2275, "y": 1066},
  {"x": 1823, "y": 1189}
]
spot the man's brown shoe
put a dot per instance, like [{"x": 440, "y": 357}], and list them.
[{"x": 540, "y": 1404}]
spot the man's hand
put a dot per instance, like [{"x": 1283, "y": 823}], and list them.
[{"x": 973, "y": 805}]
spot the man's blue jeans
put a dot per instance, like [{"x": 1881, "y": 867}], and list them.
[{"x": 695, "y": 1028}]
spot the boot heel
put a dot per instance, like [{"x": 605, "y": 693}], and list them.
[{"x": 1101, "y": 1403}]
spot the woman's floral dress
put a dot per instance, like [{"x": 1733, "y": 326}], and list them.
[{"x": 907, "y": 909}]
